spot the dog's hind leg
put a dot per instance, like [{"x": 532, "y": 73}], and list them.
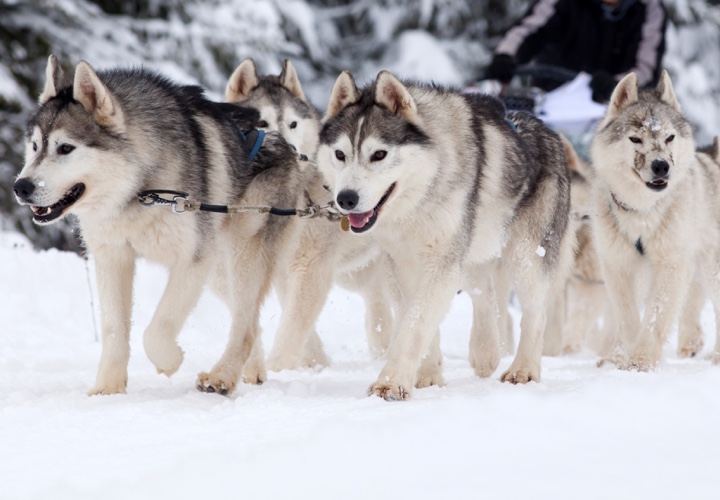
[
  {"x": 115, "y": 270},
  {"x": 430, "y": 372},
  {"x": 183, "y": 289},
  {"x": 489, "y": 313},
  {"x": 303, "y": 297},
  {"x": 690, "y": 334}
]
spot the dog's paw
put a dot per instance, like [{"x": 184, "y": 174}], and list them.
[
  {"x": 430, "y": 375},
  {"x": 388, "y": 391},
  {"x": 520, "y": 376},
  {"x": 254, "y": 373},
  {"x": 213, "y": 382},
  {"x": 108, "y": 389},
  {"x": 110, "y": 383},
  {"x": 278, "y": 362},
  {"x": 317, "y": 360},
  {"x": 714, "y": 358},
  {"x": 640, "y": 363},
  {"x": 166, "y": 358},
  {"x": 690, "y": 348},
  {"x": 484, "y": 363},
  {"x": 571, "y": 348}
]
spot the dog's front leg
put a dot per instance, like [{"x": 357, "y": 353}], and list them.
[
  {"x": 247, "y": 286},
  {"x": 489, "y": 311},
  {"x": 183, "y": 289},
  {"x": 115, "y": 270},
  {"x": 668, "y": 289},
  {"x": 422, "y": 309}
]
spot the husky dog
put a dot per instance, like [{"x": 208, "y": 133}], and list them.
[
  {"x": 657, "y": 226},
  {"x": 454, "y": 193},
  {"x": 96, "y": 142},
  {"x": 336, "y": 255}
]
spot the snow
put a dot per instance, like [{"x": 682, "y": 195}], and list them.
[{"x": 582, "y": 432}]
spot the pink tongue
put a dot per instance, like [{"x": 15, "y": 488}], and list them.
[{"x": 359, "y": 220}]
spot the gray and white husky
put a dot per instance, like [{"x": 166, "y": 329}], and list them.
[
  {"x": 657, "y": 223},
  {"x": 334, "y": 256},
  {"x": 97, "y": 141},
  {"x": 459, "y": 196}
]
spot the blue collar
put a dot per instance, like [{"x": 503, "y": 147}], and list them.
[{"x": 254, "y": 138}]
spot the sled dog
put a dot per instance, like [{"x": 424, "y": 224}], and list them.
[
  {"x": 97, "y": 141},
  {"x": 336, "y": 255},
  {"x": 454, "y": 193},
  {"x": 657, "y": 227}
]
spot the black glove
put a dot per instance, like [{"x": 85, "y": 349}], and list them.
[
  {"x": 501, "y": 68},
  {"x": 602, "y": 85}
]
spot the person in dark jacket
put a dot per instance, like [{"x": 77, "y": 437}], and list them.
[{"x": 605, "y": 38}]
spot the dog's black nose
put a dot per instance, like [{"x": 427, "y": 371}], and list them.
[
  {"x": 660, "y": 168},
  {"x": 24, "y": 188},
  {"x": 348, "y": 199}
]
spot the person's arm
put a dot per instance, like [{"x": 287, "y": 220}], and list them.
[
  {"x": 651, "y": 47},
  {"x": 525, "y": 39}
]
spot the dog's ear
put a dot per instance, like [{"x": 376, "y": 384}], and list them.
[
  {"x": 55, "y": 80},
  {"x": 665, "y": 91},
  {"x": 391, "y": 93},
  {"x": 242, "y": 81},
  {"x": 290, "y": 80},
  {"x": 96, "y": 98},
  {"x": 625, "y": 93},
  {"x": 344, "y": 93}
]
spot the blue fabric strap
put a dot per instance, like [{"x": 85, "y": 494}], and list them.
[{"x": 254, "y": 137}]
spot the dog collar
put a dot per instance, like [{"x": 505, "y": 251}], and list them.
[{"x": 255, "y": 139}]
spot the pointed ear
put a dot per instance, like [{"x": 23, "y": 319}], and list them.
[
  {"x": 96, "y": 98},
  {"x": 290, "y": 80},
  {"x": 242, "y": 81},
  {"x": 574, "y": 162},
  {"x": 625, "y": 93},
  {"x": 665, "y": 91},
  {"x": 391, "y": 93},
  {"x": 54, "y": 80},
  {"x": 344, "y": 93}
]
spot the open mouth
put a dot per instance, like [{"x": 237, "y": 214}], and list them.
[
  {"x": 359, "y": 223},
  {"x": 43, "y": 215},
  {"x": 657, "y": 184}
]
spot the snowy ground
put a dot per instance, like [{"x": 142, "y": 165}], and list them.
[{"x": 583, "y": 432}]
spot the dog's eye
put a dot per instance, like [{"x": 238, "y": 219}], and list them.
[
  {"x": 378, "y": 155},
  {"x": 636, "y": 140},
  {"x": 339, "y": 155},
  {"x": 293, "y": 124},
  {"x": 669, "y": 139},
  {"x": 262, "y": 124},
  {"x": 65, "y": 149},
  {"x": 34, "y": 146}
]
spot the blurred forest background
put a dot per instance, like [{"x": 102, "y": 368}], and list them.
[{"x": 202, "y": 41}]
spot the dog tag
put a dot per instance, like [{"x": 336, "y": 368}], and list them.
[{"x": 345, "y": 223}]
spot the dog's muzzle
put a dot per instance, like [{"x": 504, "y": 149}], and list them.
[{"x": 661, "y": 175}]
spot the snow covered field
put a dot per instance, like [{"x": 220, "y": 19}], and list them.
[{"x": 583, "y": 432}]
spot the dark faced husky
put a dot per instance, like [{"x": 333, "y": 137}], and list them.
[
  {"x": 459, "y": 196},
  {"x": 96, "y": 142},
  {"x": 657, "y": 227},
  {"x": 333, "y": 255}
]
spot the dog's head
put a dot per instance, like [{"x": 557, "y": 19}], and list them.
[
  {"x": 68, "y": 144},
  {"x": 373, "y": 149},
  {"x": 281, "y": 102},
  {"x": 643, "y": 140}
]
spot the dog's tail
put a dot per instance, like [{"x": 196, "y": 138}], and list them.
[{"x": 575, "y": 163}]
